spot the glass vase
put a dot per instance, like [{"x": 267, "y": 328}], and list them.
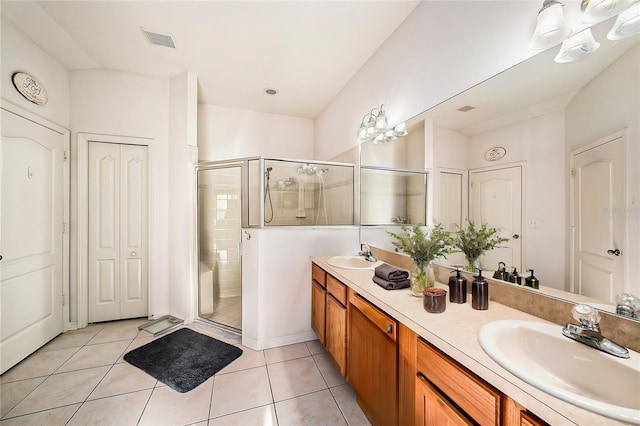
[
  {"x": 422, "y": 277},
  {"x": 473, "y": 264}
]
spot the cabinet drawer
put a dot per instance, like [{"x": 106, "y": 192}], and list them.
[
  {"x": 376, "y": 316},
  {"x": 318, "y": 274},
  {"x": 478, "y": 399},
  {"x": 337, "y": 289}
]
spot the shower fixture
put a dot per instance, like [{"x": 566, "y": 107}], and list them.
[{"x": 307, "y": 168}]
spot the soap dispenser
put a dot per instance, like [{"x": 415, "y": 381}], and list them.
[
  {"x": 532, "y": 281},
  {"x": 480, "y": 293},
  {"x": 514, "y": 277},
  {"x": 501, "y": 273},
  {"x": 457, "y": 288}
]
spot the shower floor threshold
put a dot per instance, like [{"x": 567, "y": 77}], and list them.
[{"x": 161, "y": 325}]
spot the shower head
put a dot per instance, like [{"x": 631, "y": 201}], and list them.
[
  {"x": 322, "y": 171},
  {"x": 267, "y": 172}
]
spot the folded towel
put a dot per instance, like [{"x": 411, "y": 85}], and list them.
[
  {"x": 391, "y": 273},
  {"x": 391, "y": 285}
]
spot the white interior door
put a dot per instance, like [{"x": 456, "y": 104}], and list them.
[
  {"x": 495, "y": 198},
  {"x": 31, "y": 241},
  {"x": 118, "y": 231},
  {"x": 599, "y": 220},
  {"x": 450, "y": 215}
]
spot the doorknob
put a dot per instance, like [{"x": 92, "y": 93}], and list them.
[
  {"x": 133, "y": 253},
  {"x": 615, "y": 252},
  {"x": 516, "y": 236}
]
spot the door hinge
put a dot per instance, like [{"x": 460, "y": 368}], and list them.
[
  {"x": 64, "y": 227},
  {"x": 64, "y": 299},
  {"x": 573, "y": 172},
  {"x": 65, "y": 156}
]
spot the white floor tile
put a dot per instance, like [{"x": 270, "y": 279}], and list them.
[
  {"x": 262, "y": 416},
  {"x": 116, "y": 410},
  {"x": 285, "y": 353},
  {"x": 240, "y": 391},
  {"x": 318, "y": 408},
  {"x": 294, "y": 378},
  {"x": 168, "y": 407}
]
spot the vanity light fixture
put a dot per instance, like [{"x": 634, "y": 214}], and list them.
[
  {"x": 374, "y": 128},
  {"x": 577, "y": 47},
  {"x": 551, "y": 28},
  {"x": 594, "y": 11},
  {"x": 627, "y": 24}
]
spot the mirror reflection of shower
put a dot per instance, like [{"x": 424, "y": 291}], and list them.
[
  {"x": 267, "y": 194},
  {"x": 312, "y": 169}
]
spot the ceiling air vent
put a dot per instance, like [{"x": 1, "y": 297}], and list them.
[
  {"x": 161, "y": 39},
  {"x": 466, "y": 108}
]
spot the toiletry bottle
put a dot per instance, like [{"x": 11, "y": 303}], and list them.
[
  {"x": 457, "y": 288},
  {"x": 532, "y": 281},
  {"x": 514, "y": 277},
  {"x": 501, "y": 273},
  {"x": 480, "y": 293}
]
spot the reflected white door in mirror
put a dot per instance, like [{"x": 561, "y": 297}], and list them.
[
  {"x": 495, "y": 198},
  {"x": 599, "y": 219}
]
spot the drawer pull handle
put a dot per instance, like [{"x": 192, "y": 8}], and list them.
[{"x": 389, "y": 328}]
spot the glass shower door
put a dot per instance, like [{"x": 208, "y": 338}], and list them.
[{"x": 219, "y": 190}]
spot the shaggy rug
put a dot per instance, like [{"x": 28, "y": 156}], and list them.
[{"x": 183, "y": 359}]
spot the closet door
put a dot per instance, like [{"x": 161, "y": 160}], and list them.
[{"x": 118, "y": 247}]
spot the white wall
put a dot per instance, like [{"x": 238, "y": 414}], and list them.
[
  {"x": 607, "y": 104},
  {"x": 126, "y": 104},
  {"x": 21, "y": 54},
  {"x": 227, "y": 133},
  {"x": 437, "y": 52},
  {"x": 538, "y": 142}
]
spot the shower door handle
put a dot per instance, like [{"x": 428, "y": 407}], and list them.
[{"x": 248, "y": 235}]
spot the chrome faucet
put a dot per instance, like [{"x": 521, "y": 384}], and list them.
[
  {"x": 366, "y": 252},
  {"x": 588, "y": 332}
]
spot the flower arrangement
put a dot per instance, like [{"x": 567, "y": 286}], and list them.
[
  {"x": 475, "y": 241},
  {"x": 423, "y": 247}
]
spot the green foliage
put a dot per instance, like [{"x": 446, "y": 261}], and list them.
[
  {"x": 423, "y": 247},
  {"x": 474, "y": 241}
]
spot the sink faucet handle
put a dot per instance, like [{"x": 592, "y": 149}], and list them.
[{"x": 587, "y": 315}]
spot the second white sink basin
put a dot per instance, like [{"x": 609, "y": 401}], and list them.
[
  {"x": 540, "y": 355},
  {"x": 352, "y": 262}
]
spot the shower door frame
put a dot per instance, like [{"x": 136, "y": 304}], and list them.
[{"x": 218, "y": 165}]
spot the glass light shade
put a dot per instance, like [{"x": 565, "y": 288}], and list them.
[
  {"x": 400, "y": 129},
  {"x": 598, "y": 10},
  {"x": 389, "y": 135},
  {"x": 551, "y": 28},
  {"x": 379, "y": 139},
  {"x": 362, "y": 133},
  {"x": 577, "y": 47},
  {"x": 381, "y": 121},
  {"x": 627, "y": 24}
]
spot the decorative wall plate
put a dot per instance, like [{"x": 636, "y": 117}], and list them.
[
  {"x": 495, "y": 153},
  {"x": 30, "y": 88}
]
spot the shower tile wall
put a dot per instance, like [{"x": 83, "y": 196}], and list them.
[{"x": 220, "y": 228}]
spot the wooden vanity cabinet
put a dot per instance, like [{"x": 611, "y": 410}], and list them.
[
  {"x": 318, "y": 301},
  {"x": 447, "y": 390},
  {"x": 373, "y": 360},
  {"x": 514, "y": 414},
  {"x": 336, "y": 323}
]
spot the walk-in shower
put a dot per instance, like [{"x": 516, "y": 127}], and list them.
[{"x": 237, "y": 195}]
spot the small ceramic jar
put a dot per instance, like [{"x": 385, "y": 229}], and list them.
[{"x": 434, "y": 300}]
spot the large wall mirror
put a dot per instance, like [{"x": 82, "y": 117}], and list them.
[{"x": 564, "y": 180}]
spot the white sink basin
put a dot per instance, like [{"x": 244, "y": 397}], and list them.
[
  {"x": 540, "y": 355},
  {"x": 352, "y": 262}
]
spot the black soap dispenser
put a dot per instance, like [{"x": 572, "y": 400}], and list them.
[
  {"x": 457, "y": 288},
  {"x": 501, "y": 273},
  {"x": 480, "y": 293},
  {"x": 532, "y": 281},
  {"x": 514, "y": 277}
]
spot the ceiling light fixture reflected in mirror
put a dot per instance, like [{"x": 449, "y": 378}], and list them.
[
  {"x": 374, "y": 128},
  {"x": 628, "y": 23},
  {"x": 577, "y": 47},
  {"x": 594, "y": 11}
]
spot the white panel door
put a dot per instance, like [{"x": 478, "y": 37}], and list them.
[
  {"x": 450, "y": 201},
  {"x": 118, "y": 230},
  {"x": 599, "y": 221},
  {"x": 496, "y": 199},
  {"x": 31, "y": 244}
]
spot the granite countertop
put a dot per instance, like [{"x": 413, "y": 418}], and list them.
[{"x": 455, "y": 332}]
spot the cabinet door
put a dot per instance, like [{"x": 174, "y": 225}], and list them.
[
  {"x": 433, "y": 409},
  {"x": 336, "y": 333},
  {"x": 373, "y": 361},
  {"x": 318, "y": 310}
]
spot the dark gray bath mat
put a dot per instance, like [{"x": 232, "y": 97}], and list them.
[{"x": 183, "y": 359}]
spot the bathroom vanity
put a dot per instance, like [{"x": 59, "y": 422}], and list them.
[{"x": 408, "y": 366}]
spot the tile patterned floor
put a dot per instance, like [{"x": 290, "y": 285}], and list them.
[
  {"x": 228, "y": 311},
  {"x": 80, "y": 378}
]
